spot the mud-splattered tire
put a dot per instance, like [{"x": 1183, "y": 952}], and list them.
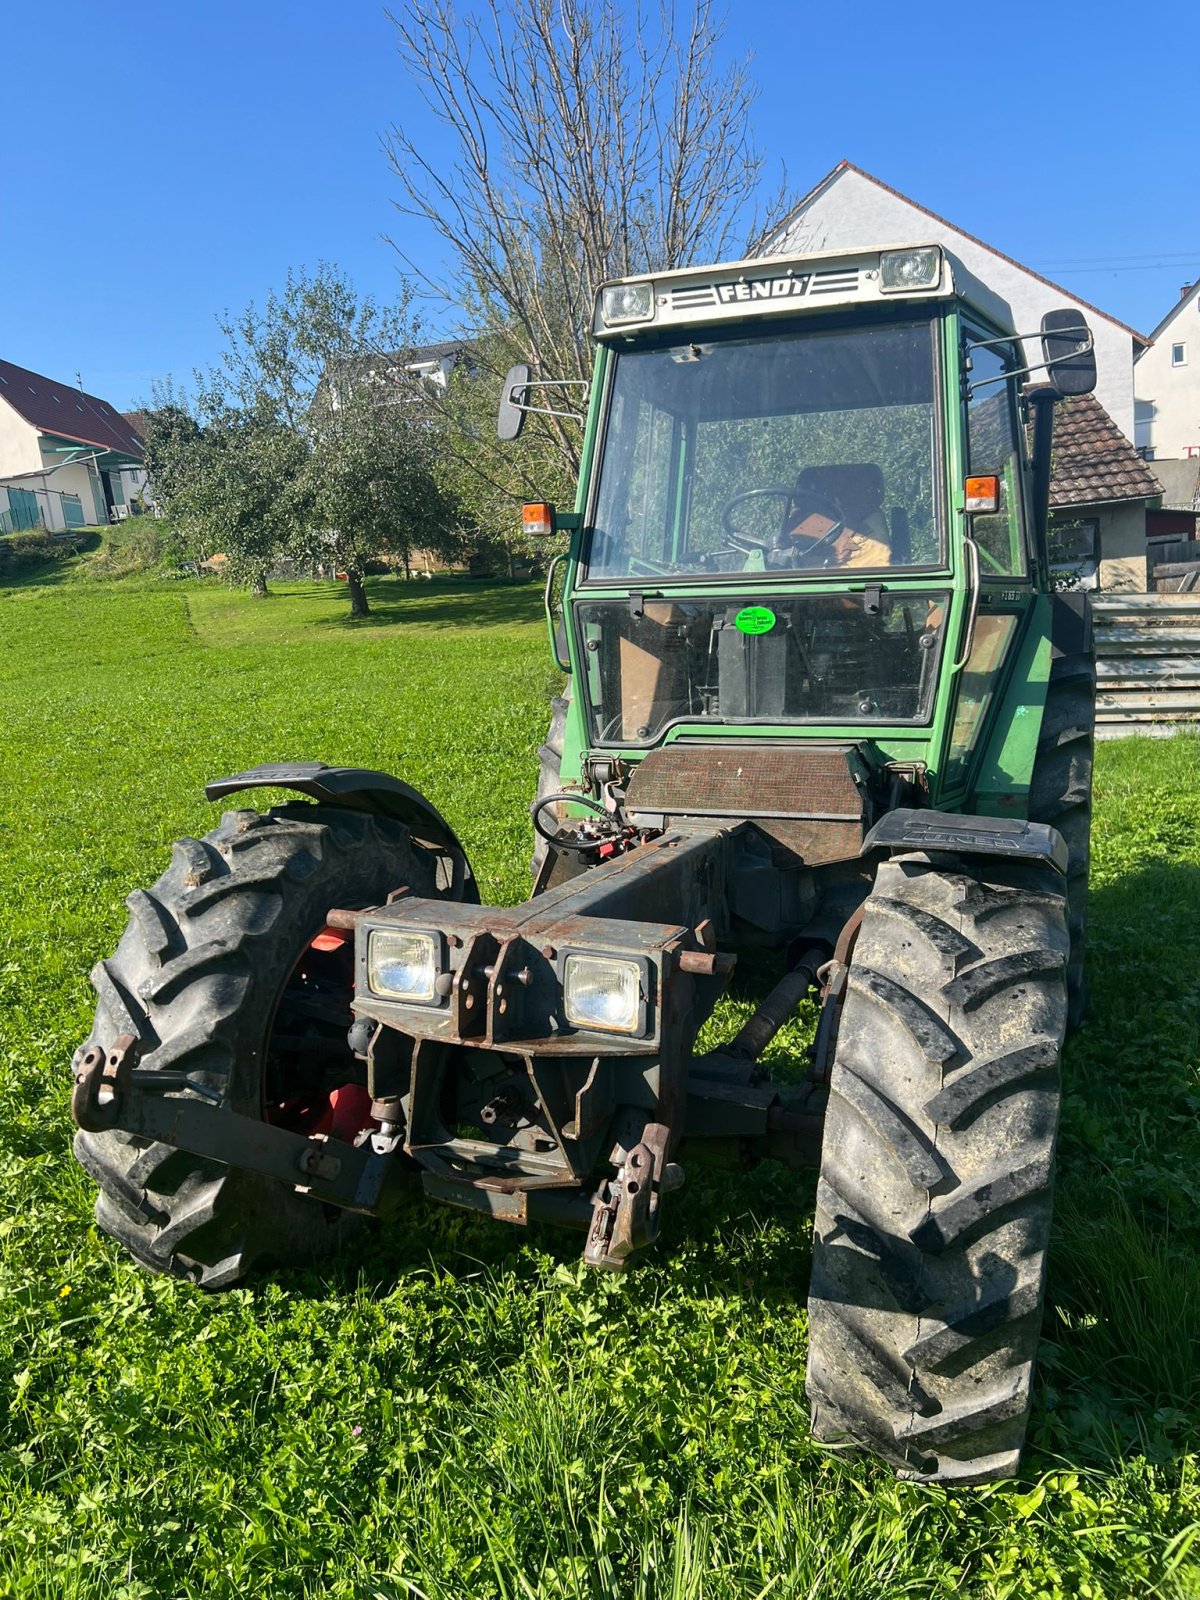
[
  {"x": 1060, "y": 790},
  {"x": 934, "y": 1199},
  {"x": 549, "y": 766},
  {"x": 197, "y": 977}
]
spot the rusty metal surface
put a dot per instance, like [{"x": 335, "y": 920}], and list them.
[
  {"x": 100, "y": 1081},
  {"x": 741, "y": 779},
  {"x": 802, "y": 842},
  {"x": 505, "y": 962},
  {"x": 353, "y": 1176},
  {"x": 628, "y": 1207}
]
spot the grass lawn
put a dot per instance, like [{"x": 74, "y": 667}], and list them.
[{"x": 456, "y": 1409}]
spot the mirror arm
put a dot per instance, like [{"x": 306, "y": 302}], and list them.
[
  {"x": 550, "y": 383},
  {"x": 1036, "y": 366}
]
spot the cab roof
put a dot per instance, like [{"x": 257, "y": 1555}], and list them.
[{"x": 758, "y": 286}]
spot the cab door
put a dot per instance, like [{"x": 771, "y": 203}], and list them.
[{"x": 997, "y": 548}]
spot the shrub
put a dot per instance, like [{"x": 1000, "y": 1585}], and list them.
[
  {"x": 139, "y": 545},
  {"x": 24, "y": 552}
]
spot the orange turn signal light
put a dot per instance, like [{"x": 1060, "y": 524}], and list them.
[
  {"x": 982, "y": 494},
  {"x": 537, "y": 519}
]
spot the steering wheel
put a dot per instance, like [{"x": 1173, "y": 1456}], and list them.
[{"x": 783, "y": 493}]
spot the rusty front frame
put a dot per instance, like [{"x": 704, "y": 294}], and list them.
[{"x": 490, "y": 1098}]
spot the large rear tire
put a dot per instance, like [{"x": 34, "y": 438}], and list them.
[
  {"x": 1060, "y": 790},
  {"x": 934, "y": 1200},
  {"x": 212, "y": 977}
]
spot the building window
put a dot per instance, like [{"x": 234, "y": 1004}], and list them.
[{"x": 1179, "y": 355}]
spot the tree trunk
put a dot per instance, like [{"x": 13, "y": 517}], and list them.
[
  {"x": 258, "y": 584},
  {"x": 358, "y": 595}
]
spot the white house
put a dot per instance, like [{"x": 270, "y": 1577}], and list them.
[
  {"x": 1166, "y": 381},
  {"x": 67, "y": 459},
  {"x": 850, "y": 209},
  {"x": 399, "y": 375}
]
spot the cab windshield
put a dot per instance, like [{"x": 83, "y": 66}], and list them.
[{"x": 785, "y": 452}]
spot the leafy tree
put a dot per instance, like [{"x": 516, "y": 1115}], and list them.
[
  {"x": 308, "y": 439},
  {"x": 367, "y": 486},
  {"x": 237, "y": 501},
  {"x": 172, "y": 436}
]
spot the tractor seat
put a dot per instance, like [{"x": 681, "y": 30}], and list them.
[{"x": 856, "y": 489}]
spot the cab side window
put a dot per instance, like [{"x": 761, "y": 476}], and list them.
[{"x": 993, "y": 447}]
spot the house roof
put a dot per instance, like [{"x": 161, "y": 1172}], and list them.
[
  {"x": 137, "y": 423},
  {"x": 436, "y": 352},
  {"x": 1185, "y": 296},
  {"x": 1093, "y": 461},
  {"x": 849, "y": 166},
  {"x": 66, "y": 412}
]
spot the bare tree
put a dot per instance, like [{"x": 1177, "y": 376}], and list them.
[{"x": 592, "y": 139}]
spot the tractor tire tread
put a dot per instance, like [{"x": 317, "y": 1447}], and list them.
[
  {"x": 934, "y": 1199},
  {"x": 1060, "y": 794},
  {"x": 196, "y": 978}
]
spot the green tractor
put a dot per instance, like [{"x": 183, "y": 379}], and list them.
[{"x": 824, "y": 701}]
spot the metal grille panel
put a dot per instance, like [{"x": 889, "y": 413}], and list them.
[{"x": 814, "y": 782}]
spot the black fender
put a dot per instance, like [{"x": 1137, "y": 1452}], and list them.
[
  {"x": 361, "y": 789},
  {"x": 903, "y": 830}
]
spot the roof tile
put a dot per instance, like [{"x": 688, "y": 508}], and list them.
[{"x": 1093, "y": 461}]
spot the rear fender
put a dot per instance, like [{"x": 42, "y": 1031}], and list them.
[{"x": 361, "y": 789}]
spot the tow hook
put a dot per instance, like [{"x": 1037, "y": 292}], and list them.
[
  {"x": 101, "y": 1081},
  {"x": 628, "y": 1207}
]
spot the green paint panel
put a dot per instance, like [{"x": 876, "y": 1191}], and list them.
[{"x": 1002, "y": 786}]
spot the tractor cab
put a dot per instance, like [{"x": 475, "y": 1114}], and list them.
[{"x": 807, "y": 512}]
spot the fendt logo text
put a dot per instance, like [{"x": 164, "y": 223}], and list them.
[{"x": 763, "y": 289}]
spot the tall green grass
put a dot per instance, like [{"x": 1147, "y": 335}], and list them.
[{"x": 456, "y": 1409}]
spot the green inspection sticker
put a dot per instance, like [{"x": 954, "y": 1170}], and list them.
[{"x": 755, "y": 619}]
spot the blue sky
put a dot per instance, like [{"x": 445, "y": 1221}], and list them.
[{"x": 178, "y": 156}]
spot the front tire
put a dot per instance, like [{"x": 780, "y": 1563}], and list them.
[
  {"x": 934, "y": 1200},
  {"x": 205, "y": 978}
]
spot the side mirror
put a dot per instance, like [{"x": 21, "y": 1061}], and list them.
[
  {"x": 1069, "y": 352},
  {"x": 511, "y": 416}
]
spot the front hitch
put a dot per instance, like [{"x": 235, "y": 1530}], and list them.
[{"x": 627, "y": 1211}]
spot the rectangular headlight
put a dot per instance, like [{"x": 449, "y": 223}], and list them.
[
  {"x": 402, "y": 965},
  {"x": 627, "y": 302},
  {"x": 603, "y": 992},
  {"x": 909, "y": 269}
]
